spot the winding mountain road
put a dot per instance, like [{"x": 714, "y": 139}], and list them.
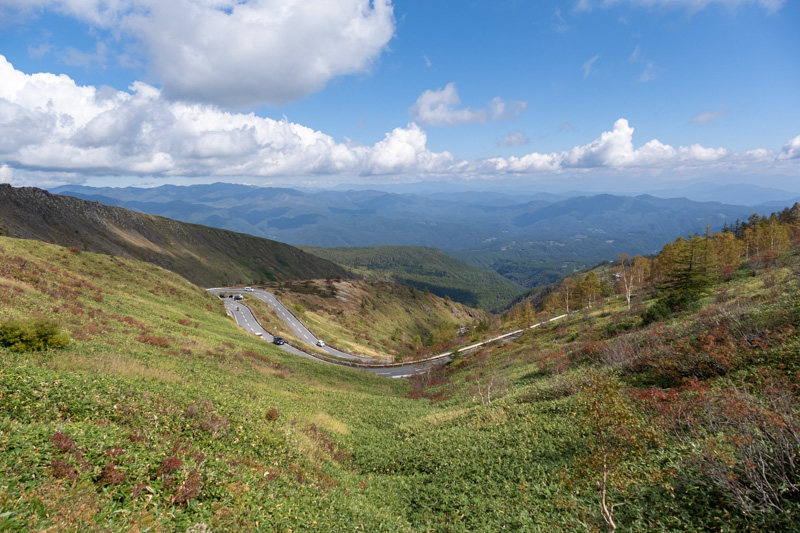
[{"x": 245, "y": 319}]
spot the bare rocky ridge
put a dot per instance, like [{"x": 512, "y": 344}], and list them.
[{"x": 203, "y": 255}]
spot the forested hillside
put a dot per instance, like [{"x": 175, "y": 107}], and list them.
[{"x": 426, "y": 269}]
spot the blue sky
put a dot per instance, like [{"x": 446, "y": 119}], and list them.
[{"x": 322, "y": 92}]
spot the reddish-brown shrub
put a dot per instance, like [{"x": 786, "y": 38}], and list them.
[
  {"x": 63, "y": 442},
  {"x": 169, "y": 465},
  {"x": 552, "y": 362},
  {"x": 215, "y": 424},
  {"x": 62, "y": 469},
  {"x": 110, "y": 475},
  {"x": 273, "y": 414},
  {"x": 154, "y": 340},
  {"x": 116, "y": 451},
  {"x": 190, "y": 488}
]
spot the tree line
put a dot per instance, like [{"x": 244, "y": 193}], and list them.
[{"x": 684, "y": 269}]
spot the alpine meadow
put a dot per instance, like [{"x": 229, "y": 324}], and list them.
[{"x": 408, "y": 267}]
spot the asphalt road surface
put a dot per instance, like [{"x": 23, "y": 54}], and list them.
[{"x": 245, "y": 319}]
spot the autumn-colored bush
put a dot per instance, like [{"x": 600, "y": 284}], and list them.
[
  {"x": 169, "y": 465},
  {"x": 190, "y": 488},
  {"x": 748, "y": 442},
  {"x": 63, "y": 442},
  {"x": 111, "y": 475},
  {"x": 552, "y": 361},
  {"x": 154, "y": 340},
  {"x": 63, "y": 469}
]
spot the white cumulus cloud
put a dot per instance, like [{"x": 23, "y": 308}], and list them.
[
  {"x": 50, "y": 123},
  {"x": 613, "y": 149},
  {"x": 791, "y": 150},
  {"x": 241, "y": 54},
  {"x": 443, "y": 108},
  {"x": 56, "y": 130}
]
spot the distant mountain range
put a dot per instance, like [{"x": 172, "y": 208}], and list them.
[
  {"x": 772, "y": 190},
  {"x": 529, "y": 239}
]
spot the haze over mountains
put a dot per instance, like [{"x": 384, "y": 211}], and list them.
[{"x": 529, "y": 239}]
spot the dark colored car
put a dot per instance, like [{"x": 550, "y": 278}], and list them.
[
  {"x": 278, "y": 341},
  {"x": 222, "y": 295}
]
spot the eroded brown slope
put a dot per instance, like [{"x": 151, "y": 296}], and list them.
[{"x": 206, "y": 256}]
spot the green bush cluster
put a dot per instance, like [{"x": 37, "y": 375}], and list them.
[{"x": 33, "y": 335}]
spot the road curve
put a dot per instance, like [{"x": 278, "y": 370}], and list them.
[{"x": 245, "y": 318}]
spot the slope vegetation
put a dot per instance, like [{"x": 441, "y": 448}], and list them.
[
  {"x": 426, "y": 269},
  {"x": 206, "y": 256},
  {"x": 674, "y": 411},
  {"x": 161, "y": 413},
  {"x": 375, "y": 318}
]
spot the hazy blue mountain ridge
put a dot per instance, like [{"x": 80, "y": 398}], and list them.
[{"x": 528, "y": 239}]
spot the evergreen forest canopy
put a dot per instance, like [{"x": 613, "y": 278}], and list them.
[{"x": 667, "y": 402}]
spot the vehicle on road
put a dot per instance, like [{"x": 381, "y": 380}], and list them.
[
  {"x": 223, "y": 295},
  {"x": 320, "y": 343},
  {"x": 278, "y": 341},
  {"x": 238, "y": 297},
  {"x": 248, "y": 289},
  {"x": 258, "y": 334}
]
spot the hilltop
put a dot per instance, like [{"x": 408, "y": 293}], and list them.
[{"x": 204, "y": 255}]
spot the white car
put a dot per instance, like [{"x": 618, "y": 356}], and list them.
[
  {"x": 258, "y": 334},
  {"x": 320, "y": 343},
  {"x": 248, "y": 289}
]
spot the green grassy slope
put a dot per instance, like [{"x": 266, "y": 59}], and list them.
[
  {"x": 206, "y": 256},
  {"x": 148, "y": 421},
  {"x": 161, "y": 413},
  {"x": 427, "y": 268}
]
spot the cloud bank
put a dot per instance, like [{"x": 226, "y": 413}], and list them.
[
  {"x": 241, "y": 54},
  {"x": 49, "y": 124}
]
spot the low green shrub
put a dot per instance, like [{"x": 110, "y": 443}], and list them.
[{"x": 33, "y": 335}]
